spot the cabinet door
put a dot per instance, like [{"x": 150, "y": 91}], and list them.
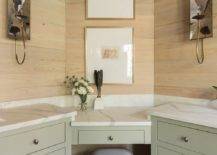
[
  {"x": 166, "y": 151},
  {"x": 51, "y": 152},
  {"x": 170, "y": 151},
  {"x": 58, "y": 152}
]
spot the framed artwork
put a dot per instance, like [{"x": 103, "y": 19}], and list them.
[
  {"x": 105, "y": 9},
  {"x": 110, "y": 49}
]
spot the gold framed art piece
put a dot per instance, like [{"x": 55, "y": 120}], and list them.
[{"x": 110, "y": 49}]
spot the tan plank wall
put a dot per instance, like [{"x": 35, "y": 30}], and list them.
[
  {"x": 44, "y": 69},
  {"x": 176, "y": 70},
  {"x": 143, "y": 37}
]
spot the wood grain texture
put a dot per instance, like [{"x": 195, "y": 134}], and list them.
[
  {"x": 143, "y": 39},
  {"x": 176, "y": 70},
  {"x": 44, "y": 70}
]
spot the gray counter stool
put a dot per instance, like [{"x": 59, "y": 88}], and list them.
[{"x": 111, "y": 152}]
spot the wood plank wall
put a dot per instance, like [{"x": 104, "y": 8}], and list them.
[
  {"x": 44, "y": 69},
  {"x": 144, "y": 44},
  {"x": 176, "y": 70}
]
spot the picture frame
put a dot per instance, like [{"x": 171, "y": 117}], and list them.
[
  {"x": 114, "y": 48},
  {"x": 105, "y": 9}
]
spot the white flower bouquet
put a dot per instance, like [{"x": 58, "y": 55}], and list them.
[{"x": 81, "y": 87}]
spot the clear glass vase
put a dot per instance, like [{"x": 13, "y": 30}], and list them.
[{"x": 83, "y": 102}]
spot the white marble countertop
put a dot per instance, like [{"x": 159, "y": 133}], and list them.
[
  {"x": 23, "y": 116},
  {"x": 23, "y": 113},
  {"x": 37, "y": 111},
  {"x": 27, "y": 115},
  {"x": 113, "y": 116},
  {"x": 205, "y": 115}
]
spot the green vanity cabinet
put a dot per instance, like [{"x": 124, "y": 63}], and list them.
[
  {"x": 53, "y": 138},
  {"x": 170, "y": 137}
]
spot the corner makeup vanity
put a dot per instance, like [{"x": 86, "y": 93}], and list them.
[
  {"x": 182, "y": 129},
  {"x": 117, "y": 125},
  {"x": 51, "y": 129},
  {"x": 47, "y": 129}
]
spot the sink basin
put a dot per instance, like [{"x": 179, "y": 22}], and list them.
[
  {"x": 73, "y": 102},
  {"x": 63, "y": 102},
  {"x": 63, "y": 105},
  {"x": 212, "y": 104},
  {"x": 192, "y": 108}
]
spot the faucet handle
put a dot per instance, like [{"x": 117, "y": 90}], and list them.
[{"x": 215, "y": 87}]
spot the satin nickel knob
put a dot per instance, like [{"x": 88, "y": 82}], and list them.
[
  {"x": 110, "y": 138},
  {"x": 185, "y": 139},
  {"x": 36, "y": 141}
]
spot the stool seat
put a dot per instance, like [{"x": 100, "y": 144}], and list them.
[{"x": 111, "y": 152}]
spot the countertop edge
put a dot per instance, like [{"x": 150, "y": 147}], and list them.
[
  {"x": 190, "y": 121},
  {"x": 83, "y": 124},
  {"x": 20, "y": 125}
]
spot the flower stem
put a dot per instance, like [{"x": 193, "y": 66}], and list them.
[{"x": 83, "y": 102}]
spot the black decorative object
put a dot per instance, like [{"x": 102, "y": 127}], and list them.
[
  {"x": 215, "y": 87},
  {"x": 98, "y": 77}
]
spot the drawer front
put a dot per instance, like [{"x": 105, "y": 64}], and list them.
[
  {"x": 52, "y": 152},
  {"x": 174, "y": 151},
  {"x": 188, "y": 138},
  {"x": 165, "y": 151},
  {"x": 34, "y": 140},
  {"x": 111, "y": 137},
  {"x": 58, "y": 152}
]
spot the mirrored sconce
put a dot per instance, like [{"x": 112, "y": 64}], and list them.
[
  {"x": 201, "y": 24},
  {"x": 19, "y": 24}
]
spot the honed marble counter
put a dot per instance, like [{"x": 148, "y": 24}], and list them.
[
  {"x": 23, "y": 116},
  {"x": 196, "y": 114},
  {"x": 115, "y": 116}
]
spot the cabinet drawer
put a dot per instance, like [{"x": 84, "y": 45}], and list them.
[
  {"x": 165, "y": 151},
  {"x": 33, "y": 140},
  {"x": 51, "y": 152},
  {"x": 111, "y": 137},
  {"x": 186, "y": 137}
]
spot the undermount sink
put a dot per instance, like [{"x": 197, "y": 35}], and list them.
[
  {"x": 197, "y": 109},
  {"x": 64, "y": 102},
  {"x": 64, "y": 105},
  {"x": 212, "y": 104},
  {"x": 193, "y": 108},
  {"x": 70, "y": 101}
]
